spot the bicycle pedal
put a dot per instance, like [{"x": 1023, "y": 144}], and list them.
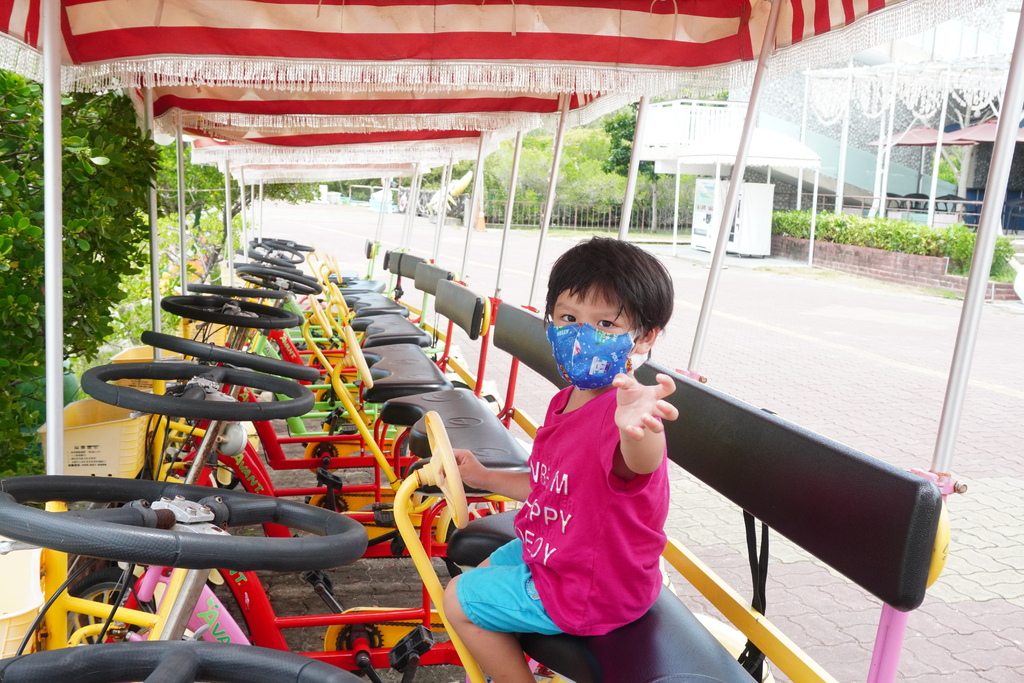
[
  {"x": 417, "y": 642},
  {"x": 383, "y": 514}
]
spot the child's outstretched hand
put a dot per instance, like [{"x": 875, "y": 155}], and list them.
[{"x": 640, "y": 405}]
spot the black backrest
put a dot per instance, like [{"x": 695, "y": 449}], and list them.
[
  {"x": 462, "y": 306},
  {"x": 392, "y": 260},
  {"x": 523, "y": 334},
  {"x": 872, "y": 522},
  {"x": 408, "y": 263},
  {"x": 427, "y": 276}
]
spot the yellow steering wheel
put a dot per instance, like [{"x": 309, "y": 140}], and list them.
[{"x": 442, "y": 471}]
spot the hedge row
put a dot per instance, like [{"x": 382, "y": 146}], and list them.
[{"x": 955, "y": 242}]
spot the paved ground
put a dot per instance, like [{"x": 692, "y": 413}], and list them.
[{"x": 864, "y": 363}]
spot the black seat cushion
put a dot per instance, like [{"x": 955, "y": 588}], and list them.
[
  {"x": 382, "y": 330},
  {"x": 402, "y": 370},
  {"x": 374, "y": 303}
]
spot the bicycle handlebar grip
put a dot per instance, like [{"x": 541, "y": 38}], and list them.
[
  {"x": 182, "y": 660},
  {"x": 96, "y": 382},
  {"x": 219, "y": 354},
  {"x": 338, "y": 539}
]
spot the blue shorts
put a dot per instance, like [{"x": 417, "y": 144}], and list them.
[{"x": 502, "y": 597}]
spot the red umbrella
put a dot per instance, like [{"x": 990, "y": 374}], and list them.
[{"x": 983, "y": 132}]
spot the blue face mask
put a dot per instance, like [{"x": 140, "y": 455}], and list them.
[{"x": 588, "y": 357}]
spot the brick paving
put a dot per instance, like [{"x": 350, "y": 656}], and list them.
[{"x": 861, "y": 362}]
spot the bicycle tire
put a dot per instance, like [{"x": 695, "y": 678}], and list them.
[
  {"x": 170, "y": 661},
  {"x": 219, "y": 354},
  {"x": 237, "y": 292},
  {"x": 210, "y": 309},
  {"x": 95, "y": 382},
  {"x": 336, "y": 539},
  {"x": 298, "y": 283}
]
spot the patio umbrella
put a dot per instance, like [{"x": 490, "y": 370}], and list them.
[
  {"x": 921, "y": 136},
  {"x": 982, "y": 132}
]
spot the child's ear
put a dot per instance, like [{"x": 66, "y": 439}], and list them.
[{"x": 644, "y": 342}]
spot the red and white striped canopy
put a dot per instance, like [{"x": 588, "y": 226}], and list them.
[
  {"x": 427, "y": 148},
  {"x": 242, "y": 113},
  {"x": 549, "y": 46}
]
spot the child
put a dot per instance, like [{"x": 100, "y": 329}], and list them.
[{"x": 589, "y": 536}]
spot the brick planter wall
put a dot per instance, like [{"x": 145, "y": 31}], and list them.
[{"x": 890, "y": 266}]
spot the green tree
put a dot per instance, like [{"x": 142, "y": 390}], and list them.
[
  {"x": 108, "y": 169},
  {"x": 621, "y": 128}
]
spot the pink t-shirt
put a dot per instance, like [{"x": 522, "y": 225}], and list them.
[{"x": 591, "y": 539}]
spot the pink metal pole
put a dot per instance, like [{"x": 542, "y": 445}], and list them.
[{"x": 885, "y": 657}]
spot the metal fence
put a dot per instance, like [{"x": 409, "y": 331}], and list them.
[{"x": 589, "y": 216}]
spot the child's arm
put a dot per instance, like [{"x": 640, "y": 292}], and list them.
[
  {"x": 641, "y": 434},
  {"x": 514, "y": 485}
]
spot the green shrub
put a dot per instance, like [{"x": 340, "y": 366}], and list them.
[{"x": 955, "y": 242}]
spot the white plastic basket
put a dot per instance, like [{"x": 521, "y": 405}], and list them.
[{"x": 20, "y": 599}]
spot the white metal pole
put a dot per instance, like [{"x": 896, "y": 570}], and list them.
[
  {"x": 814, "y": 218},
  {"x": 549, "y": 203},
  {"x": 732, "y": 198},
  {"x": 260, "y": 236},
  {"x": 410, "y": 207},
  {"x": 154, "y": 229},
  {"x": 229, "y": 248},
  {"x": 937, "y": 158},
  {"x": 509, "y": 207},
  {"x": 243, "y": 210},
  {"x": 634, "y": 168},
  {"x": 844, "y": 141},
  {"x": 981, "y": 262},
  {"x": 179, "y": 151},
  {"x": 53, "y": 235},
  {"x": 803, "y": 139},
  {"x": 888, "y": 145},
  {"x": 442, "y": 205},
  {"x": 475, "y": 203},
  {"x": 385, "y": 198},
  {"x": 675, "y": 216}
]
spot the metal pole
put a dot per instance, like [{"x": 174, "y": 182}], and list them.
[
  {"x": 634, "y": 168},
  {"x": 888, "y": 146},
  {"x": 732, "y": 198},
  {"x": 410, "y": 207},
  {"x": 814, "y": 218},
  {"x": 154, "y": 229},
  {"x": 53, "y": 236},
  {"x": 981, "y": 262},
  {"x": 937, "y": 158},
  {"x": 475, "y": 202},
  {"x": 803, "y": 139},
  {"x": 260, "y": 234},
  {"x": 385, "y": 199},
  {"x": 549, "y": 203},
  {"x": 844, "y": 141},
  {"x": 229, "y": 248},
  {"x": 179, "y": 150},
  {"x": 442, "y": 205},
  {"x": 675, "y": 216},
  {"x": 509, "y": 207},
  {"x": 242, "y": 208}
]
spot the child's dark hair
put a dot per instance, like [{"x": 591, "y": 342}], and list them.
[{"x": 620, "y": 272}]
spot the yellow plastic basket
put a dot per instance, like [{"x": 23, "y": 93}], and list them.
[
  {"x": 139, "y": 354},
  {"x": 21, "y": 598},
  {"x": 102, "y": 440}
]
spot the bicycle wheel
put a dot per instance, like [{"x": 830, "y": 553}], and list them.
[{"x": 100, "y": 586}]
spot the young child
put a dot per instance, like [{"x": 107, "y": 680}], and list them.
[{"x": 589, "y": 535}]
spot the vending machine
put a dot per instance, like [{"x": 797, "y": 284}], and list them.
[{"x": 751, "y": 233}]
